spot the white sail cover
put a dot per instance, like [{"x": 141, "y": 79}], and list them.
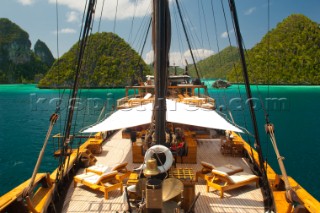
[
  {"x": 196, "y": 116},
  {"x": 124, "y": 118},
  {"x": 176, "y": 113}
]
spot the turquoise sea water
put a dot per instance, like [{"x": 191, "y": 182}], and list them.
[{"x": 25, "y": 113}]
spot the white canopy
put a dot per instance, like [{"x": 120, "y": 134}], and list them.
[
  {"x": 124, "y": 118},
  {"x": 176, "y": 113},
  {"x": 196, "y": 116}
]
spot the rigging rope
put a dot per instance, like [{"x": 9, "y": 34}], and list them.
[
  {"x": 57, "y": 27},
  {"x": 269, "y": 202},
  {"x": 230, "y": 45},
  {"x": 115, "y": 18},
  {"x": 144, "y": 43},
  {"x": 225, "y": 20},
  {"x": 237, "y": 78},
  {"x": 178, "y": 35},
  {"x": 53, "y": 119},
  {"x": 82, "y": 45},
  {"x": 58, "y": 64},
  {"x": 200, "y": 23},
  {"x": 102, "y": 8},
  {"x": 132, "y": 21},
  {"x": 185, "y": 33},
  {"x": 215, "y": 30},
  {"x": 290, "y": 193},
  {"x": 205, "y": 23},
  {"x": 140, "y": 27}
]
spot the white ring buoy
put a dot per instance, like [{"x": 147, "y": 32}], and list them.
[{"x": 160, "y": 149}]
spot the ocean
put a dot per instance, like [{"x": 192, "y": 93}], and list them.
[{"x": 25, "y": 113}]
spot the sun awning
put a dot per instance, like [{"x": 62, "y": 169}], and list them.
[
  {"x": 196, "y": 116},
  {"x": 124, "y": 118},
  {"x": 176, "y": 113}
]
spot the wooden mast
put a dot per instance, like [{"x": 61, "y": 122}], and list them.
[
  {"x": 161, "y": 43},
  {"x": 269, "y": 202}
]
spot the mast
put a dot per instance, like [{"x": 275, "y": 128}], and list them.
[
  {"x": 268, "y": 195},
  {"x": 161, "y": 33},
  {"x": 72, "y": 103}
]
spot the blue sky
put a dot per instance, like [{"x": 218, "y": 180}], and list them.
[{"x": 39, "y": 19}]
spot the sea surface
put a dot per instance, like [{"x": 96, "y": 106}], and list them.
[{"x": 25, "y": 111}]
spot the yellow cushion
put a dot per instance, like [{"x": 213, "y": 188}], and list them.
[
  {"x": 207, "y": 165},
  {"x": 119, "y": 166},
  {"x": 106, "y": 175}
]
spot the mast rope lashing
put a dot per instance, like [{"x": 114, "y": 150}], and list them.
[
  {"x": 291, "y": 195},
  {"x": 53, "y": 118}
]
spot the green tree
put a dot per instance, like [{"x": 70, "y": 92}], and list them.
[
  {"x": 109, "y": 62},
  {"x": 288, "y": 54}
]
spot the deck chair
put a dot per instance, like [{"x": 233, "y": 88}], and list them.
[
  {"x": 146, "y": 99},
  {"x": 181, "y": 97},
  {"x": 185, "y": 98},
  {"x": 206, "y": 170},
  {"x": 186, "y": 95},
  {"x": 222, "y": 181},
  {"x": 121, "y": 168},
  {"x": 105, "y": 183}
]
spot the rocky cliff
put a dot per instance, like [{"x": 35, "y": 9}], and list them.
[
  {"x": 18, "y": 63},
  {"x": 43, "y": 52}
]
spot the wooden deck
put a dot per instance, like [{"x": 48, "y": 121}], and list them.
[{"x": 245, "y": 199}]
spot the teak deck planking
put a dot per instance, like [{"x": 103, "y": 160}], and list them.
[{"x": 116, "y": 150}]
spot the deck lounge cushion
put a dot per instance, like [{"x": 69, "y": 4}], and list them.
[
  {"x": 241, "y": 176},
  {"x": 100, "y": 169},
  {"x": 207, "y": 165},
  {"x": 229, "y": 169},
  {"x": 221, "y": 173},
  {"x": 119, "y": 167},
  {"x": 147, "y": 96},
  {"x": 93, "y": 178},
  {"x": 223, "y": 169},
  {"x": 235, "y": 178},
  {"x": 85, "y": 175}
]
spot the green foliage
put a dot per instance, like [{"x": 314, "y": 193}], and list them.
[
  {"x": 19, "y": 64},
  {"x": 10, "y": 32},
  {"x": 217, "y": 65},
  {"x": 43, "y": 52},
  {"x": 289, "y": 54},
  {"x": 109, "y": 62}
]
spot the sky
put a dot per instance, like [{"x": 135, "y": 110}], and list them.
[{"x": 58, "y": 23}]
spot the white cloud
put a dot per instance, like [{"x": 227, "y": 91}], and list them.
[
  {"x": 26, "y": 2},
  {"x": 199, "y": 55},
  {"x": 72, "y": 16},
  {"x": 178, "y": 58},
  {"x": 125, "y": 9},
  {"x": 66, "y": 31},
  {"x": 250, "y": 11},
  {"x": 72, "y": 4},
  {"x": 149, "y": 57},
  {"x": 225, "y": 34}
]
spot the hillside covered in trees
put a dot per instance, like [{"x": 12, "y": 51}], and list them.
[
  {"x": 109, "y": 62},
  {"x": 288, "y": 54},
  {"x": 18, "y": 63},
  {"x": 217, "y": 65}
]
